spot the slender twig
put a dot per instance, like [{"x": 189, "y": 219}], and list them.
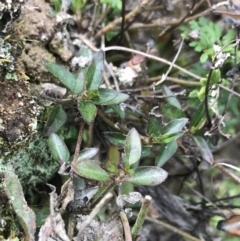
[
  {"x": 229, "y": 90},
  {"x": 94, "y": 212},
  {"x": 228, "y": 173},
  {"x": 209, "y": 4},
  {"x": 234, "y": 77},
  {"x": 123, "y": 19},
  {"x": 201, "y": 195},
  {"x": 110, "y": 123},
  {"x": 104, "y": 14},
  {"x": 176, "y": 81},
  {"x": 90, "y": 45},
  {"x": 163, "y": 22},
  {"x": 164, "y": 76},
  {"x": 138, "y": 9},
  {"x": 150, "y": 88},
  {"x": 126, "y": 227},
  {"x": 206, "y": 98},
  {"x": 107, "y": 82},
  {"x": 182, "y": 19},
  {"x": 141, "y": 216},
  {"x": 113, "y": 75},
  {"x": 153, "y": 96},
  {"x": 119, "y": 48},
  {"x": 71, "y": 226},
  {"x": 93, "y": 48},
  {"x": 103, "y": 193},
  {"x": 79, "y": 142},
  {"x": 173, "y": 229},
  {"x": 226, "y": 143}
]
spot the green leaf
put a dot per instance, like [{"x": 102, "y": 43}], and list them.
[
  {"x": 203, "y": 22},
  {"x": 42, "y": 212},
  {"x": 133, "y": 148},
  {"x": 113, "y": 160},
  {"x": 203, "y": 82},
  {"x": 80, "y": 83},
  {"x": 58, "y": 148},
  {"x": 116, "y": 138},
  {"x": 154, "y": 127},
  {"x": 71, "y": 134},
  {"x": 86, "y": 56},
  {"x": 171, "y": 100},
  {"x": 201, "y": 93},
  {"x": 88, "y": 110},
  {"x": 175, "y": 126},
  {"x": 113, "y": 3},
  {"x": 204, "y": 149},
  {"x": 203, "y": 58},
  {"x": 194, "y": 24},
  {"x": 91, "y": 95},
  {"x": 150, "y": 176},
  {"x": 172, "y": 112},
  {"x": 116, "y": 108},
  {"x": 216, "y": 76},
  {"x": 198, "y": 48},
  {"x": 56, "y": 120},
  {"x": 193, "y": 94},
  {"x": 66, "y": 77},
  {"x": 170, "y": 137},
  {"x": 13, "y": 191},
  {"x": 94, "y": 73},
  {"x": 91, "y": 169},
  {"x": 110, "y": 97},
  {"x": 57, "y": 5},
  {"x": 166, "y": 152},
  {"x": 87, "y": 153},
  {"x": 194, "y": 44},
  {"x": 146, "y": 152},
  {"x": 198, "y": 118}
]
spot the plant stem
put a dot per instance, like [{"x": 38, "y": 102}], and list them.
[
  {"x": 185, "y": 235},
  {"x": 79, "y": 142},
  {"x": 141, "y": 216},
  {"x": 176, "y": 81},
  {"x": 138, "y": 9},
  {"x": 119, "y": 48},
  {"x": 106, "y": 190},
  {"x": 126, "y": 227}
]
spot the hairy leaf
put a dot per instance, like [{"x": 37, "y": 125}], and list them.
[
  {"x": 91, "y": 169},
  {"x": 150, "y": 176},
  {"x": 110, "y": 97},
  {"x": 133, "y": 148},
  {"x": 204, "y": 149},
  {"x": 166, "y": 152},
  {"x": 58, "y": 148},
  {"x": 56, "y": 120},
  {"x": 87, "y": 153},
  {"x": 25, "y": 214},
  {"x": 94, "y": 73},
  {"x": 88, "y": 110},
  {"x": 65, "y": 76}
]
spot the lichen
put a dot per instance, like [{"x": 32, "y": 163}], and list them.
[
  {"x": 33, "y": 164},
  {"x": 9, "y": 11},
  {"x": 6, "y": 58}
]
